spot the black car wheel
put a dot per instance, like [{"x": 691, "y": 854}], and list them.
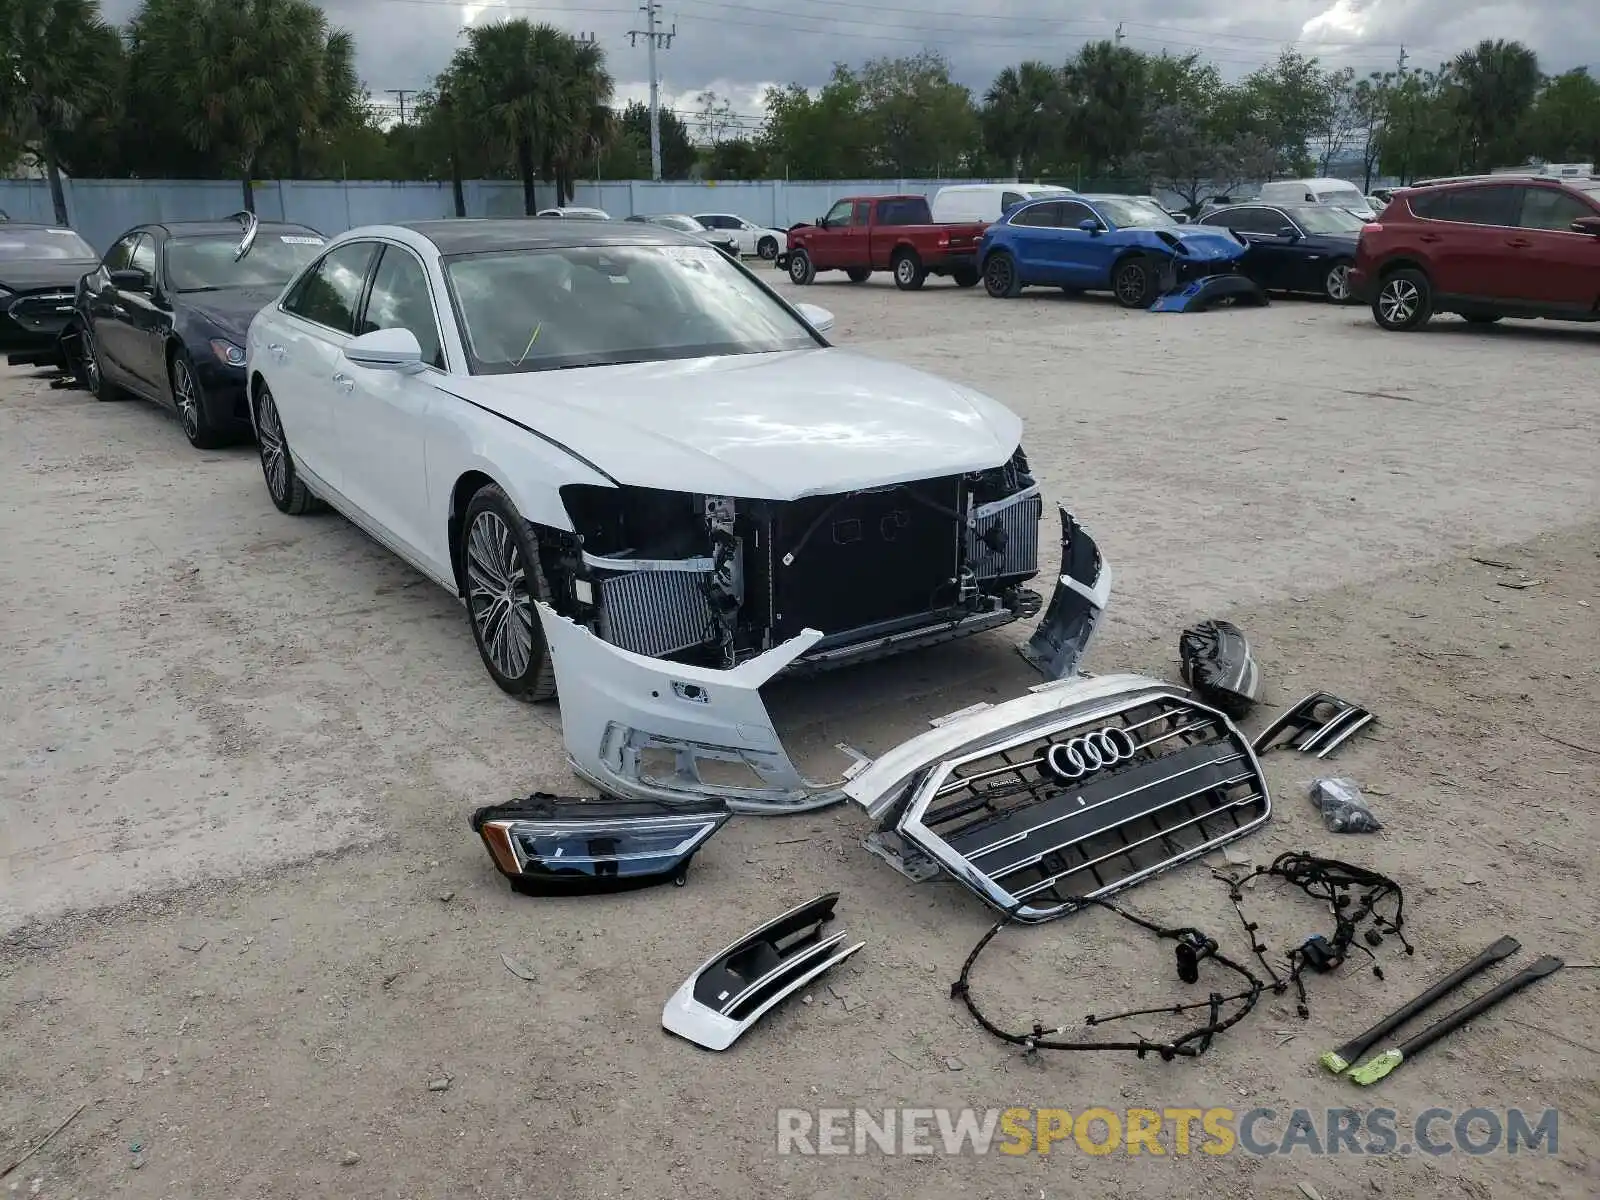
[
  {"x": 909, "y": 273},
  {"x": 190, "y": 399},
  {"x": 502, "y": 577},
  {"x": 289, "y": 493},
  {"x": 965, "y": 277},
  {"x": 1404, "y": 301},
  {"x": 1000, "y": 277},
  {"x": 858, "y": 274},
  {"x": 1336, "y": 283},
  {"x": 1133, "y": 283},
  {"x": 89, "y": 369},
  {"x": 801, "y": 270},
  {"x": 767, "y": 248}
]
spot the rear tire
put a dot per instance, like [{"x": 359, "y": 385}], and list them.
[
  {"x": 1336, "y": 283},
  {"x": 767, "y": 248},
  {"x": 1133, "y": 282},
  {"x": 1001, "y": 279},
  {"x": 802, "y": 270},
  {"x": 502, "y": 577},
  {"x": 909, "y": 273},
  {"x": 289, "y": 493},
  {"x": 858, "y": 274},
  {"x": 1404, "y": 301}
]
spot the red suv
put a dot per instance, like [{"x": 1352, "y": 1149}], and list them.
[{"x": 1487, "y": 247}]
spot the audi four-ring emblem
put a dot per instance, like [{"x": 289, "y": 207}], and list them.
[{"x": 1075, "y": 758}]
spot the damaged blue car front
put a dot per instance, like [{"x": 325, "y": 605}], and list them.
[{"x": 1126, "y": 245}]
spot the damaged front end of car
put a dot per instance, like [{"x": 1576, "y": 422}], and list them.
[{"x": 670, "y": 631}]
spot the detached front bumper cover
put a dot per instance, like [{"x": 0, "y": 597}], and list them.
[
  {"x": 544, "y": 843},
  {"x": 625, "y": 716}
]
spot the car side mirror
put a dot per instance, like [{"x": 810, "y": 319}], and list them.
[
  {"x": 130, "y": 279},
  {"x": 815, "y": 316},
  {"x": 822, "y": 222},
  {"x": 1089, "y": 225},
  {"x": 1290, "y": 232},
  {"x": 1589, "y": 225},
  {"x": 386, "y": 350}
]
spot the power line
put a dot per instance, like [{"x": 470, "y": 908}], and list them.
[
  {"x": 654, "y": 39},
  {"x": 400, "y": 94}
]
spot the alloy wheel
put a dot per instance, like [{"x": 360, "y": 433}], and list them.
[
  {"x": 997, "y": 277},
  {"x": 1398, "y": 301},
  {"x": 91, "y": 360},
  {"x": 186, "y": 393},
  {"x": 274, "y": 461},
  {"x": 497, "y": 594},
  {"x": 1338, "y": 284},
  {"x": 1130, "y": 284},
  {"x": 905, "y": 271}
]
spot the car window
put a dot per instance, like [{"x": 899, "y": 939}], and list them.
[
  {"x": 401, "y": 299},
  {"x": 330, "y": 292},
  {"x": 910, "y": 210},
  {"x": 1328, "y": 220},
  {"x": 1130, "y": 212},
  {"x": 1490, "y": 205},
  {"x": 120, "y": 255},
  {"x": 1548, "y": 208},
  {"x": 839, "y": 214},
  {"x": 589, "y": 306},
  {"x": 862, "y": 214},
  {"x": 144, "y": 255},
  {"x": 1007, "y": 199},
  {"x": 42, "y": 243},
  {"x": 202, "y": 264},
  {"x": 1245, "y": 220},
  {"x": 1070, "y": 214},
  {"x": 1038, "y": 216}
]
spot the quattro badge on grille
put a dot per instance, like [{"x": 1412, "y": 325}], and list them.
[{"x": 1072, "y": 760}]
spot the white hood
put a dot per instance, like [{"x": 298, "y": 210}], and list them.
[{"x": 763, "y": 426}]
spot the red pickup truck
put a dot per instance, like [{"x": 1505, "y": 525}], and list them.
[{"x": 863, "y": 234}]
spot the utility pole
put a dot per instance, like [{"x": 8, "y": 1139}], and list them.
[
  {"x": 401, "y": 94},
  {"x": 1118, "y": 34},
  {"x": 654, "y": 38},
  {"x": 1402, "y": 63}
]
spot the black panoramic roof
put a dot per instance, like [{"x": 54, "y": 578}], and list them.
[{"x": 471, "y": 236}]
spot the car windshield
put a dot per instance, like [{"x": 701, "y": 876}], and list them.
[
  {"x": 43, "y": 243},
  {"x": 686, "y": 224},
  {"x": 1135, "y": 214},
  {"x": 1328, "y": 220},
  {"x": 585, "y": 306},
  {"x": 203, "y": 264},
  {"x": 1342, "y": 196}
]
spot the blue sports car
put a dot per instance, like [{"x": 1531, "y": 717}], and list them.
[{"x": 1126, "y": 245}]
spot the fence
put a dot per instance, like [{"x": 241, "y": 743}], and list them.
[{"x": 101, "y": 209}]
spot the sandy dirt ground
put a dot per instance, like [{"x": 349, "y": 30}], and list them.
[{"x": 243, "y": 920}]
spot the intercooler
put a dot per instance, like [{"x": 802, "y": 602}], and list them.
[
  {"x": 653, "y": 606},
  {"x": 1003, "y": 539},
  {"x": 1087, "y": 800}
]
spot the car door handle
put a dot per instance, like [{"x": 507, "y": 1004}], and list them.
[
  {"x": 1428, "y": 237},
  {"x": 344, "y": 382},
  {"x": 1518, "y": 242}
]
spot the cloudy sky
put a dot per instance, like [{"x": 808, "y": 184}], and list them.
[{"x": 738, "y": 47}]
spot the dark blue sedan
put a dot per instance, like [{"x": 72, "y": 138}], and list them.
[{"x": 1295, "y": 247}]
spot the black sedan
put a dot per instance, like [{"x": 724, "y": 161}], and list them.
[
  {"x": 1295, "y": 247},
  {"x": 164, "y": 315},
  {"x": 40, "y": 266}
]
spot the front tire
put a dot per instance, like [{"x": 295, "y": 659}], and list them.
[
  {"x": 802, "y": 270},
  {"x": 289, "y": 493},
  {"x": 1404, "y": 301},
  {"x": 1336, "y": 283},
  {"x": 1001, "y": 279},
  {"x": 1133, "y": 282},
  {"x": 89, "y": 369},
  {"x": 767, "y": 248},
  {"x": 502, "y": 577},
  {"x": 190, "y": 400},
  {"x": 909, "y": 273}
]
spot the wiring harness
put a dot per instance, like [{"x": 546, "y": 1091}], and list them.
[{"x": 1353, "y": 895}]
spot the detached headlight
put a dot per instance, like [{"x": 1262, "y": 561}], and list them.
[
  {"x": 550, "y": 843},
  {"x": 227, "y": 352}
]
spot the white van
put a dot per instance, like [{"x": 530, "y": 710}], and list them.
[
  {"x": 1336, "y": 193},
  {"x": 963, "y": 203}
]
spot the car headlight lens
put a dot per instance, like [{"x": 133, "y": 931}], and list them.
[{"x": 228, "y": 352}]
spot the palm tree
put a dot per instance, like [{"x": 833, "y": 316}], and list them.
[
  {"x": 57, "y": 61},
  {"x": 533, "y": 88},
  {"x": 242, "y": 78},
  {"x": 1022, "y": 114},
  {"x": 1492, "y": 87}
]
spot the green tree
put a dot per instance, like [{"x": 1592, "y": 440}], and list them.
[
  {"x": 1023, "y": 119},
  {"x": 920, "y": 122},
  {"x": 248, "y": 83},
  {"x": 1418, "y": 137},
  {"x": 59, "y": 64},
  {"x": 1106, "y": 87},
  {"x": 1369, "y": 102},
  {"x": 1287, "y": 104},
  {"x": 633, "y": 134},
  {"x": 736, "y": 158},
  {"x": 1564, "y": 123},
  {"x": 1339, "y": 118},
  {"x": 823, "y": 137},
  {"x": 1491, "y": 89}
]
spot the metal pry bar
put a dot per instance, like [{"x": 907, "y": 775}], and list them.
[{"x": 1311, "y": 733}]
